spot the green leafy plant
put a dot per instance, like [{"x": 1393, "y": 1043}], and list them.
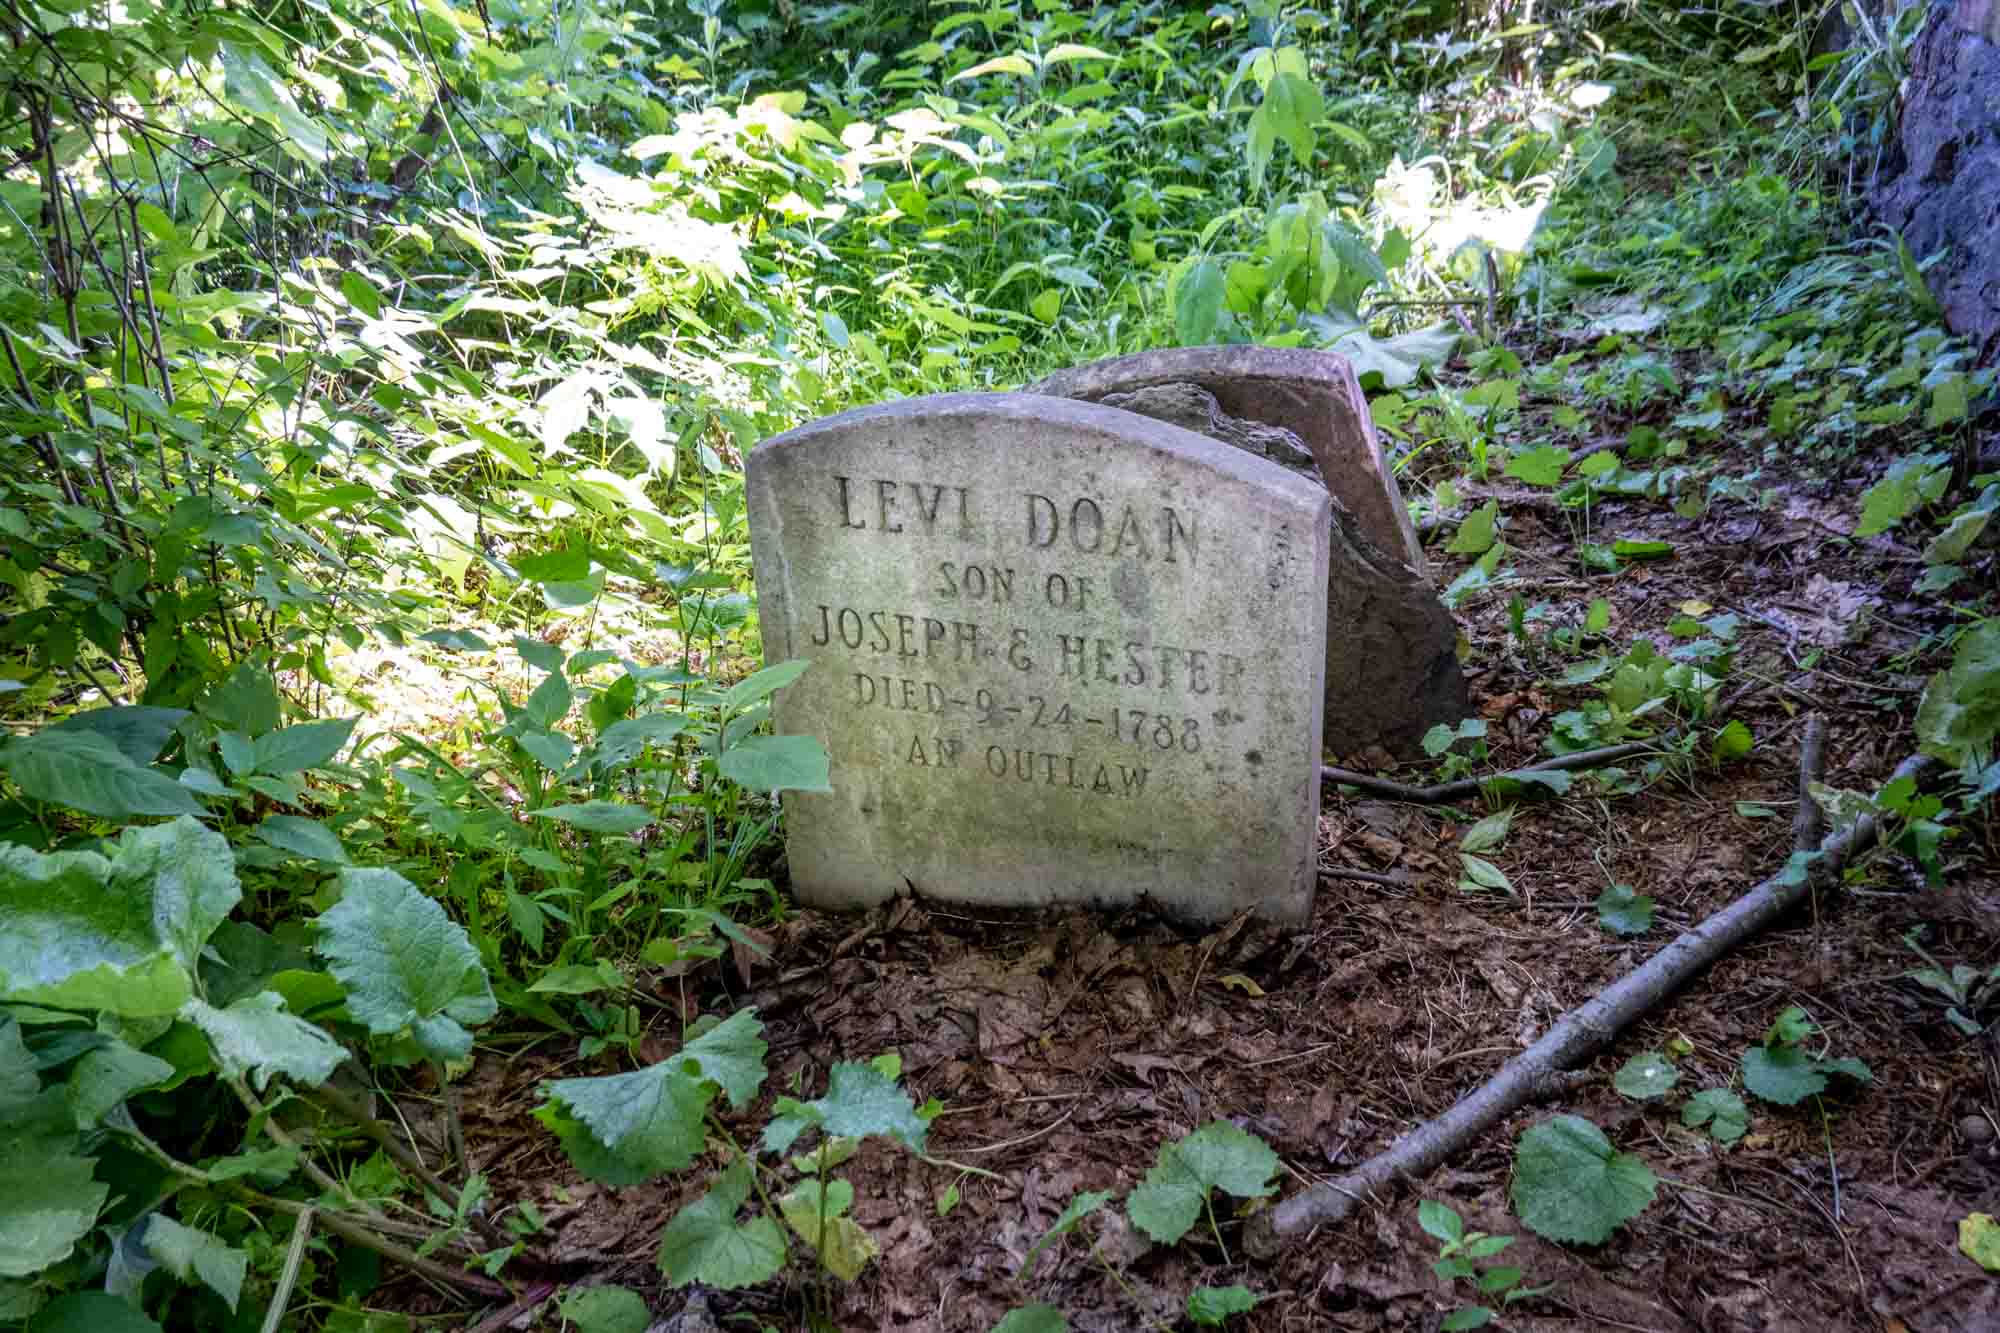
[
  {"x": 1571, "y": 1185},
  {"x": 1459, "y": 1251},
  {"x": 122, "y": 974},
  {"x": 1781, "y": 1070}
]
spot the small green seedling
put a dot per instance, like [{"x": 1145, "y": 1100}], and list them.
[
  {"x": 1457, "y": 1251},
  {"x": 1782, "y": 1071}
]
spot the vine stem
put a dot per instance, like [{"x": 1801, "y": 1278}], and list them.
[{"x": 288, "y": 1276}]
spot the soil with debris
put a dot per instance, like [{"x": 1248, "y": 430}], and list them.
[{"x": 1067, "y": 1050}]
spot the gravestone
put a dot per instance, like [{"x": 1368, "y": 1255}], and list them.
[
  {"x": 1061, "y": 654},
  {"x": 1392, "y": 669}
]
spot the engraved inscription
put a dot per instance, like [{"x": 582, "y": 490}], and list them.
[{"x": 1102, "y": 691}]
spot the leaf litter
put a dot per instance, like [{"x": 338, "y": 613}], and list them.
[{"x": 1069, "y": 1051}]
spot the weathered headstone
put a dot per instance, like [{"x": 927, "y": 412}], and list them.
[
  {"x": 1392, "y": 668},
  {"x": 1061, "y": 654}
]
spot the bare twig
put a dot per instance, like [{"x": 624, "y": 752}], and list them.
[
  {"x": 1809, "y": 824},
  {"x": 1366, "y": 877},
  {"x": 530, "y": 1298},
  {"x": 1444, "y": 792},
  {"x": 406, "y": 1157},
  {"x": 1578, "y": 1036},
  {"x": 359, "y": 1233},
  {"x": 288, "y": 1276}
]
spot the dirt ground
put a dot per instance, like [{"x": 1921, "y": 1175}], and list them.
[{"x": 1066, "y": 1050}]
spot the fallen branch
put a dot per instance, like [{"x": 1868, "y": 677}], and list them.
[
  {"x": 1577, "y": 1037},
  {"x": 1457, "y": 791},
  {"x": 1809, "y": 824},
  {"x": 1445, "y": 792}
]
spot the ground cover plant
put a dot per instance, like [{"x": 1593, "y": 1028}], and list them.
[{"x": 392, "y": 927}]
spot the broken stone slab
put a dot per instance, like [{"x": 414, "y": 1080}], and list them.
[
  {"x": 1314, "y": 395},
  {"x": 1392, "y": 670},
  {"x": 1061, "y": 654}
]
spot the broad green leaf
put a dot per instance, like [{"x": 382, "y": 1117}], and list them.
[
  {"x": 87, "y": 771},
  {"x": 649, "y": 1121},
  {"x": 1480, "y": 873},
  {"x": 250, "y": 85},
  {"x": 257, "y": 1036},
  {"x": 547, "y": 657},
  {"x": 1488, "y": 833},
  {"x": 48, "y": 1202},
  {"x": 247, "y": 702},
  {"x": 1960, "y": 712},
  {"x": 1293, "y": 105},
  {"x": 1012, "y": 63},
  {"x": 731, "y": 1055},
  {"x": 404, "y": 963},
  {"x": 1598, "y": 618},
  {"x": 1037, "y": 1318},
  {"x": 89, "y": 1312},
  {"x": 1979, "y": 1240},
  {"x": 1910, "y": 483},
  {"x": 80, "y": 930},
  {"x": 20, "y": 1084},
  {"x": 1782, "y": 1074},
  {"x": 861, "y": 1100},
  {"x": 1732, "y": 742},
  {"x": 607, "y": 1309},
  {"x": 104, "y": 1077},
  {"x": 1212, "y": 1306},
  {"x": 1440, "y": 1221},
  {"x": 704, "y": 1244},
  {"x": 190, "y": 1254},
  {"x": 1217, "y": 1156},
  {"x": 1634, "y": 549},
  {"x": 302, "y": 837},
  {"x": 1466, "y": 1317},
  {"x": 1197, "y": 297},
  {"x": 1572, "y": 1186},
  {"x": 1623, "y": 910},
  {"x": 763, "y": 684},
  {"x": 139, "y": 733},
  {"x": 1647, "y": 1075},
  {"x": 1387, "y": 363},
  {"x": 1082, "y": 1206},
  {"x": 576, "y": 979},
  {"x": 1063, "y": 52},
  {"x": 1950, "y": 545},
  {"x": 1476, "y": 534},
  {"x": 551, "y": 749},
  {"x": 623, "y": 740},
  {"x": 361, "y": 294},
  {"x": 1542, "y": 466},
  {"x": 816, "y": 1211},
  {"x": 549, "y": 703},
  {"x": 307, "y": 745},
  {"x": 599, "y": 816},
  {"x": 1721, "y": 1110},
  {"x": 777, "y": 763}
]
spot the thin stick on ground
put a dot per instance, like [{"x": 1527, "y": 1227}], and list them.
[
  {"x": 1809, "y": 824},
  {"x": 1445, "y": 792},
  {"x": 1578, "y": 1036}
]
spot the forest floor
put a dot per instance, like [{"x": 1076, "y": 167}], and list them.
[{"x": 1067, "y": 1049}]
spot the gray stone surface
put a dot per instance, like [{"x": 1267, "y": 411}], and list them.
[
  {"x": 1392, "y": 670},
  {"x": 1061, "y": 654},
  {"x": 1314, "y": 395},
  {"x": 1941, "y": 184}
]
